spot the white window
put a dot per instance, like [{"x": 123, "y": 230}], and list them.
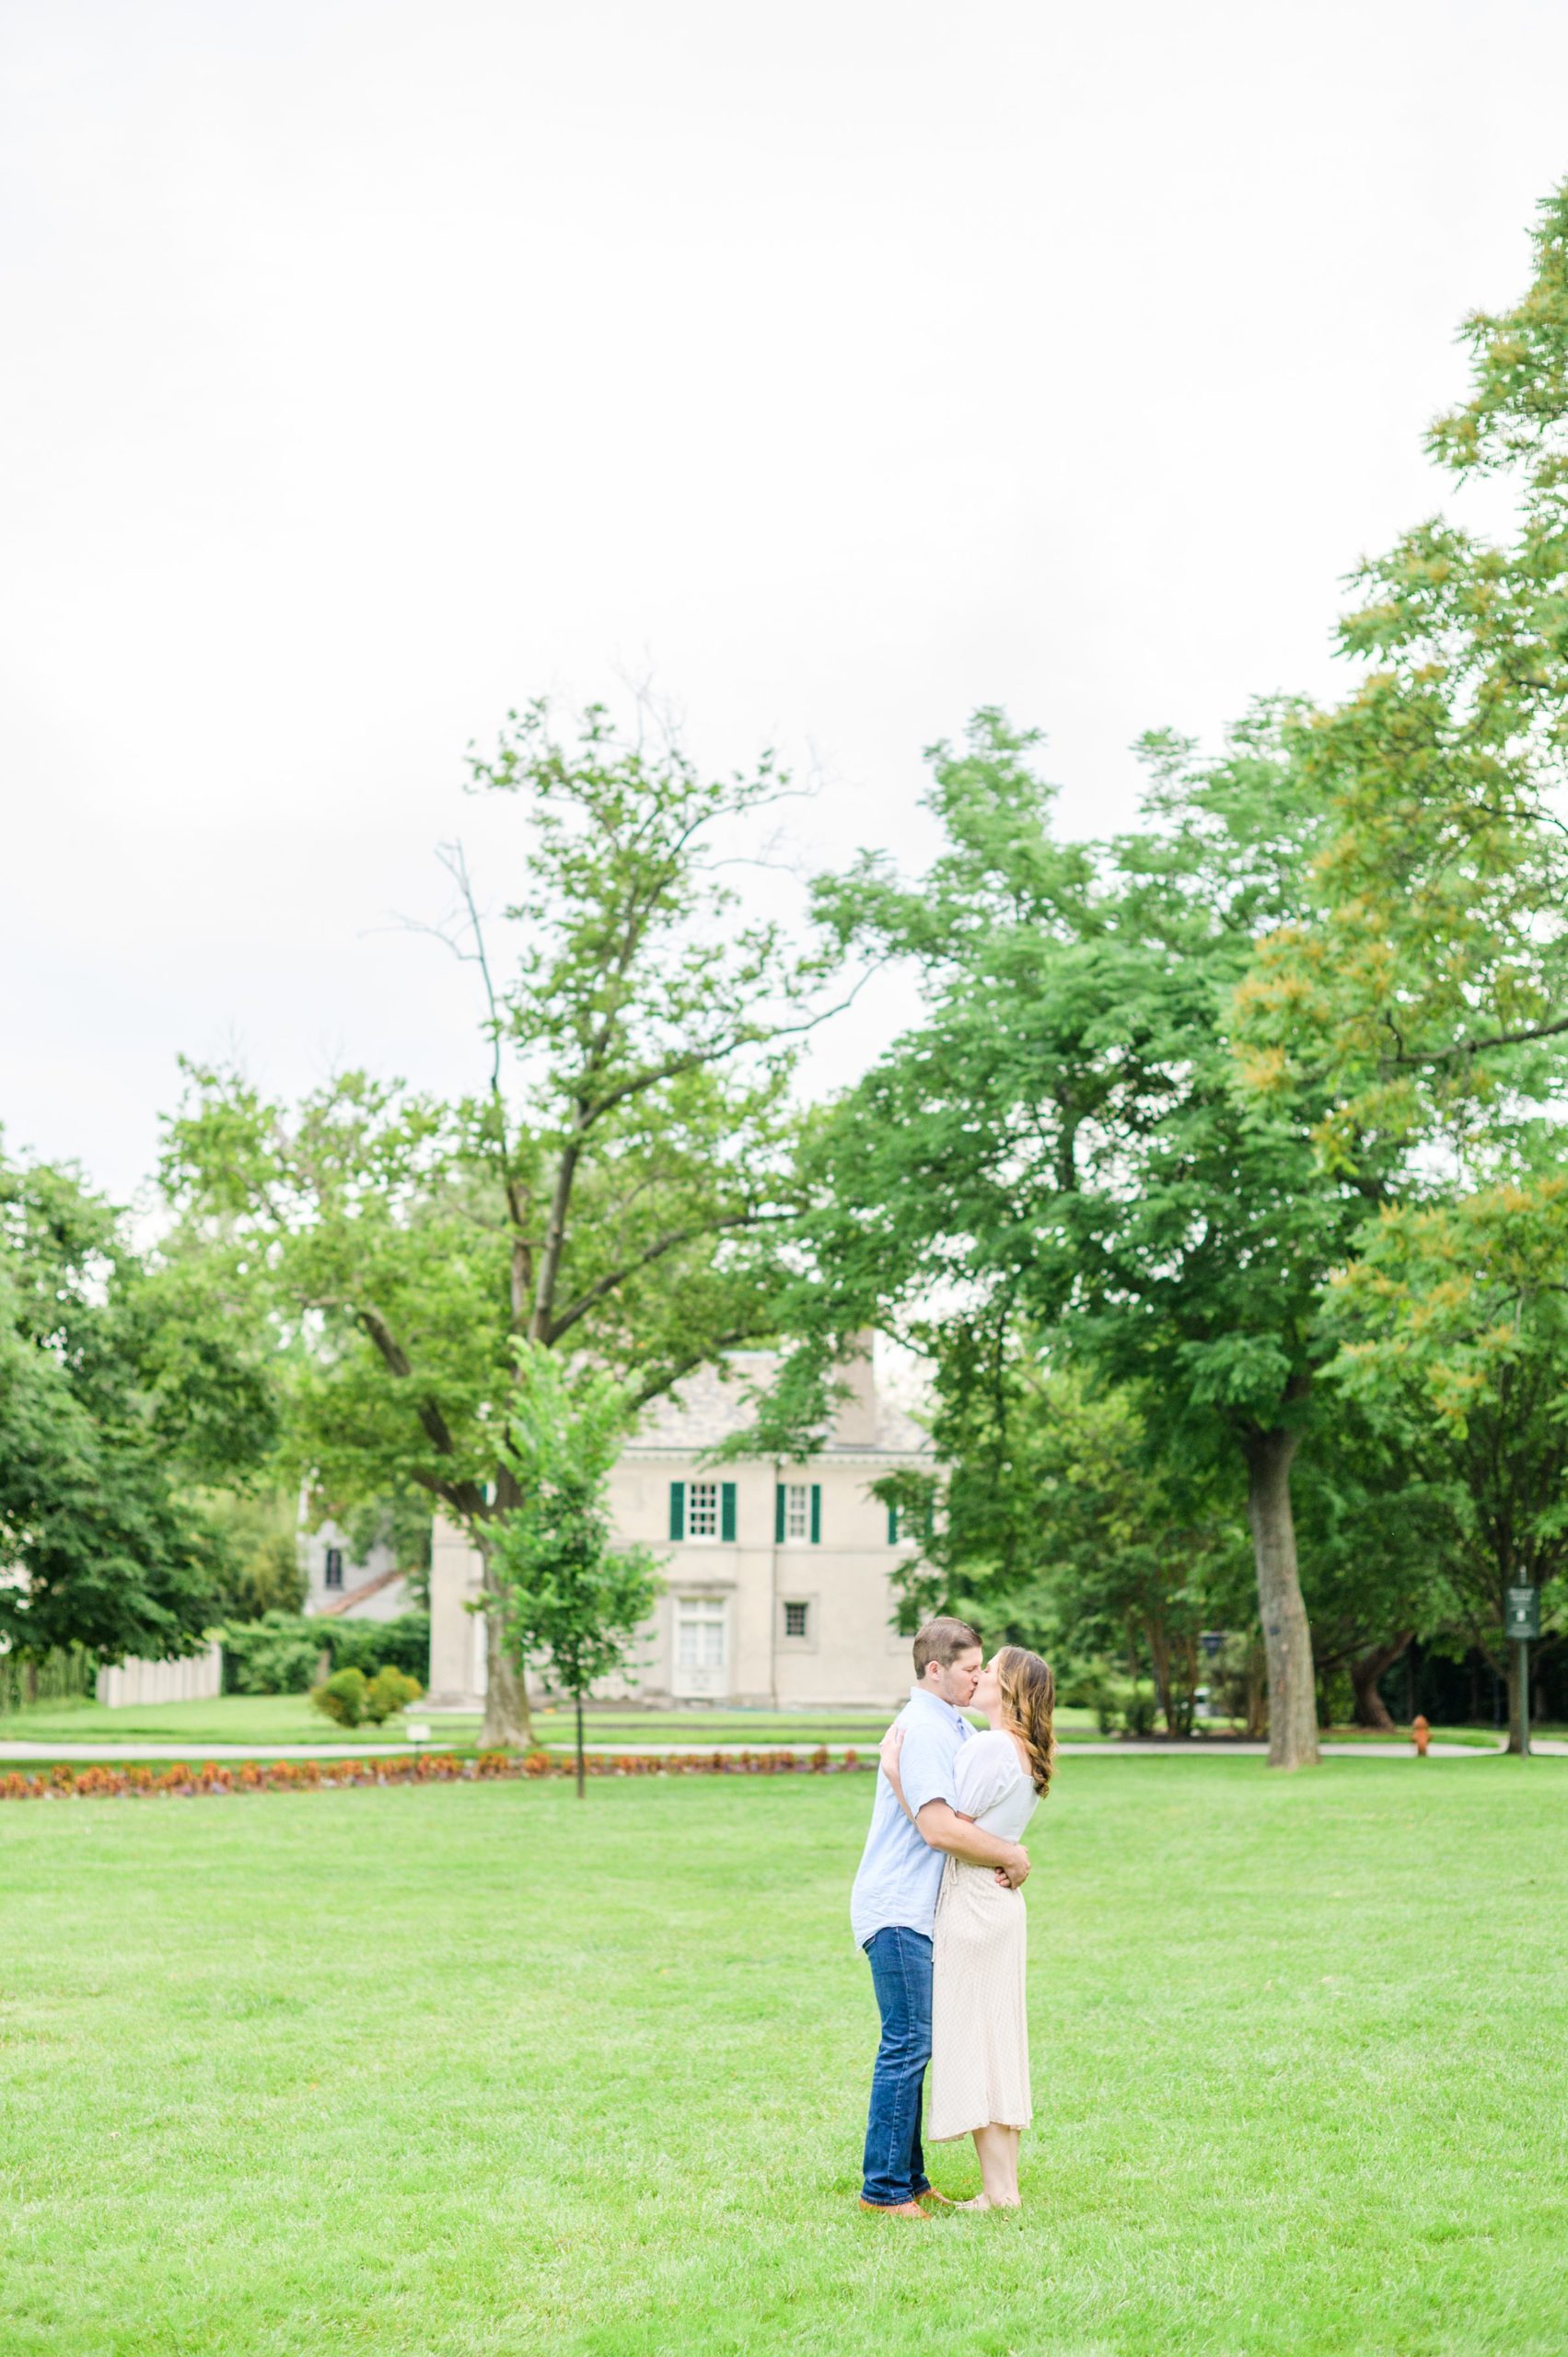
[
  {"x": 798, "y": 1509},
  {"x": 703, "y": 1510},
  {"x": 795, "y": 1620},
  {"x": 698, "y": 1632}
]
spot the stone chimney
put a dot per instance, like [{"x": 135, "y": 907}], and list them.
[{"x": 854, "y": 1425}]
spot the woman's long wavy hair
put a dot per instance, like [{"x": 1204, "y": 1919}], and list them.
[{"x": 1028, "y": 1699}]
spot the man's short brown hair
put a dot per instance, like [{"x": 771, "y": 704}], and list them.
[{"x": 943, "y": 1641}]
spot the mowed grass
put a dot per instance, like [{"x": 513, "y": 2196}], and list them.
[
  {"x": 481, "y": 2069},
  {"x": 225, "y": 1718},
  {"x": 266, "y": 1719},
  {"x": 292, "y": 1718}
]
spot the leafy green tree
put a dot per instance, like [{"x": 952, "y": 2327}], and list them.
[
  {"x": 1064, "y": 1136},
  {"x": 119, "y": 1386},
  {"x": 1455, "y": 1327},
  {"x": 1360, "y": 912},
  {"x": 1423, "y": 987},
  {"x": 259, "y": 1569},
  {"x": 1057, "y": 1526},
  {"x": 1420, "y": 993},
  {"x": 566, "y": 1593},
  {"x": 1375, "y": 1516},
  {"x": 616, "y": 1188}
]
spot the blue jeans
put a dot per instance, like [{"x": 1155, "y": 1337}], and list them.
[{"x": 900, "y": 1974}]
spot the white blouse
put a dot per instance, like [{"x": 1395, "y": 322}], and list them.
[{"x": 994, "y": 1786}]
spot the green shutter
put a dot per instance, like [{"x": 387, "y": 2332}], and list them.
[
  {"x": 816, "y": 1513},
  {"x": 727, "y": 1513},
  {"x": 893, "y": 1526},
  {"x": 778, "y": 1514},
  {"x": 678, "y": 1509}
]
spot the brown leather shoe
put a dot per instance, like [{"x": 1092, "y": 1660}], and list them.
[
  {"x": 893, "y": 2209},
  {"x": 930, "y": 2193}
]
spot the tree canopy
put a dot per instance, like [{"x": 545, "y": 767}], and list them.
[
  {"x": 614, "y": 1186},
  {"x": 121, "y": 1384}
]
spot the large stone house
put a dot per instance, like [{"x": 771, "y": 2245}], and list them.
[{"x": 777, "y": 1577}]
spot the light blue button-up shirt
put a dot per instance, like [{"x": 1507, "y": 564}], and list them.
[{"x": 900, "y": 1873}]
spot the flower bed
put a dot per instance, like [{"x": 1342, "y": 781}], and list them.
[{"x": 98, "y": 1781}]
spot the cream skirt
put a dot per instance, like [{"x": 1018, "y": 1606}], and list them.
[{"x": 979, "y": 2038}]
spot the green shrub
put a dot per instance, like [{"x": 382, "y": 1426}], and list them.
[
  {"x": 388, "y": 1692},
  {"x": 342, "y": 1697},
  {"x": 65, "y": 1673},
  {"x": 354, "y": 1700},
  {"x": 370, "y": 1645},
  {"x": 280, "y": 1653},
  {"x": 1138, "y": 1718},
  {"x": 1091, "y": 1690},
  {"x": 257, "y": 1553}
]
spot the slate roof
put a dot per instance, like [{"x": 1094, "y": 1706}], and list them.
[{"x": 712, "y": 1404}]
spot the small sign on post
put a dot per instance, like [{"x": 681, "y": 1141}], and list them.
[
  {"x": 1522, "y": 1621},
  {"x": 1523, "y": 1614}
]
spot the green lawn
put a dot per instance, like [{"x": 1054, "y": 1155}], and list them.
[
  {"x": 481, "y": 2069},
  {"x": 756, "y": 1730},
  {"x": 289, "y": 1718},
  {"x": 229, "y": 1718}
]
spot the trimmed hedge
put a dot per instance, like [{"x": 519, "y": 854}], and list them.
[
  {"x": 100, "y": 1782},
  {"x": 282, "y": 1652},
  {"x": 370, "y": 1645}
]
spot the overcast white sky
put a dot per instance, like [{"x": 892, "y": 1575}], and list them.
[{"x": 373, "y": 367}]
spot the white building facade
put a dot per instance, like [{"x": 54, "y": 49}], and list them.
[{"x": 778, "y": 1577}]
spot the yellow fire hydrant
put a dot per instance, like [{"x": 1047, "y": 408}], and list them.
[{"x": 1420, "y": 1734}]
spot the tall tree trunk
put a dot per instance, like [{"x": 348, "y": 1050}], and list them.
[
  {"x": 507, "y": 1725},
  {"x": 1371, "y": 1710},
  {"x": 1515, "y": 1699},
  {"x": 1186, "y": 1653},
  {"x": 1160, "y": 1662},
  {"x": 1287, "y": 1640}
]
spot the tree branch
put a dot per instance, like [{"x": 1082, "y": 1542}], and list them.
[
  {"x": 655, "y": 1251},
  {"x": 454, "y": 861},
  {"x": 1463, "y": 1048},
  {"x": 693, "y": 1059},
  {"x": 686, "y": 1367},
  {"x": 465, "y": 1498},
  {"x": 433, "y": 1424}
]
